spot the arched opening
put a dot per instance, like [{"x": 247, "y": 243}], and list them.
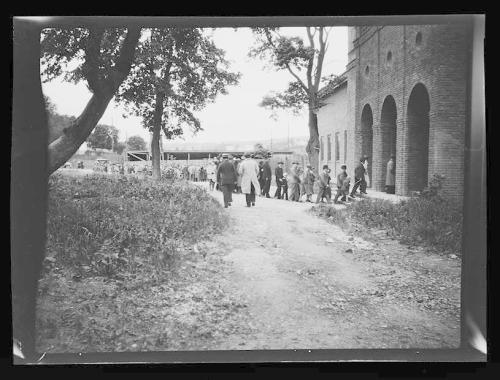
[
  {"x": 417, "y": 121},
  {"x": 388, "y": 130},
  {"x": 367, "y": 136}
]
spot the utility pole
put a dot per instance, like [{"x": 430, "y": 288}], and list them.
[{"x": 288, "y": 132}]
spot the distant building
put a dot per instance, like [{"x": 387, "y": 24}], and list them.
[{"x": 404, "y": 92}]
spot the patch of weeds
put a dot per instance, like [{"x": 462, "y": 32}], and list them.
[{"x": 426, "y": 219}]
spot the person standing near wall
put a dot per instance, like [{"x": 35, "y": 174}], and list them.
[
  {"x": 390, "y": 178},
  {"x": 226, "y": 176},
  {"x": 249, "y": 170}
]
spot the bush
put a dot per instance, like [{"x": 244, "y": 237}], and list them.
[
  {"x": 434, "y": 221},
  {"x": 428, "y": 218},
  {"x": 109, "y": 224}
]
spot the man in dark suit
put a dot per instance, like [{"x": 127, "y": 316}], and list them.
[
  {"x": 278, "y": 174},
  {"x": 266, "y": 177},
  {"x": 226, "y": 176},
  {"x": 359, "y": 177}
]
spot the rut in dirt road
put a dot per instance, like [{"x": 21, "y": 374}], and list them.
[{"x": 304, "y": 291}]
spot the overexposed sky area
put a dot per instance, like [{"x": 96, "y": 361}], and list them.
[{"x": 235, "y": 116}]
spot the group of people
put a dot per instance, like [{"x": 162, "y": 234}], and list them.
[
  {"x": 250, "y": 177},
  {"x": 238, "y": 176}
]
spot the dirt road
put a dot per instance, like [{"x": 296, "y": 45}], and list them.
[
  {"x": 277, "y": 278},
  {"x": 302, "y": 283}
]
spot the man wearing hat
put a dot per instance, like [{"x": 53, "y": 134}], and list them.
[
  {"x": 390, "y": 178},
  {"x": 266, "y": 177},
  {"x": 278, "y": 175},
  {"x": 309, "y": 178},
  {"x": 237, "y": 161},
  {"x": 324, "y": 178},
  {"x": 226, "y": 176},
  {"x": 248, "y": 169},
  {"x": 340, "y": 181},
  {"x": 359, "y": 177}
]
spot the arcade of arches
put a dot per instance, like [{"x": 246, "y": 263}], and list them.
[{"x": 379, "y": 142}]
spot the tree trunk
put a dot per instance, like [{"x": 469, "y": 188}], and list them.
[
  {"x": 28, "y": 183},
  {"x": 155, "y": 141},
  {"x": 312, "y": 147},
  {"x": 61, "y": 149},
  {"x": 73, "y": 137}
]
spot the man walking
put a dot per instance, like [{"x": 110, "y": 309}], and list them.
[
  {"x": 341, "y": 189},
  {"x": 226, "y": 176},
  {"x": 390, "y": 178},
  {"x": 266, "y": 177},
  {"x": 340, "y": 180},
  {"x": 359, "y": 177},
  {"x": 237, "y": 162},
  {"x": 323, "y": 185},
  {"x": 278, "y": 175},
  {"x": 248, "y": 169}
]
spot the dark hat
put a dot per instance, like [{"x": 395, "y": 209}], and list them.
[
  {"x": 225, "y": 155},
  {"x": 343, "y": 167},
  {"x": 325, "y": 167},
  {"x": 281, "y": 162},
  {"x": 309, "y": 166}
]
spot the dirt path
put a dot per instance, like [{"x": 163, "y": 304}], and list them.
[
  {"x": 306, "y": 284},
  {"x": 277, "y": 278}
]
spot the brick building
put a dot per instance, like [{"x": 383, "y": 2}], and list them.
[{"x": 404, "y": 92}]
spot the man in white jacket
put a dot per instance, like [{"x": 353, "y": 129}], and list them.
[{"x": 248, "y": 169}]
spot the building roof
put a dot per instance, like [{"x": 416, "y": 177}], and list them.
[
  {"x": 136, "y": 155},
  {"x": 332, "y": 86}
]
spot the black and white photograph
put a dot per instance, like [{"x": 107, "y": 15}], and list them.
[{"x": 257, "y": 185}]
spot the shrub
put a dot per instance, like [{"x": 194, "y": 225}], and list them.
[
  {"x": 429, "y": 218},
  {"x": 111, "y": 224}
]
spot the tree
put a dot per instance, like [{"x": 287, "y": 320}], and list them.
[
  {"x": 103, "y": 60},
  {"x": 260, "y": 150},
  {"x": 136, "y": 143},
  {"x": 293, "y": 55},
  {"x": 120, "y": 147},
  {"x": 178, "y": 71},
  {"x": 103, "y": 137}
]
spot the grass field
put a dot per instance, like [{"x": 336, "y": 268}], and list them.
[{"x": 107, "y": 235}]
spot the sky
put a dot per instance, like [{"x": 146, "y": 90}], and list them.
[{"x": 235, "y": 116}]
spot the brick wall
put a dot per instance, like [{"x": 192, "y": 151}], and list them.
[
  {"x": 439, "y": 62},
  {"x": 432, "y": 60}
]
